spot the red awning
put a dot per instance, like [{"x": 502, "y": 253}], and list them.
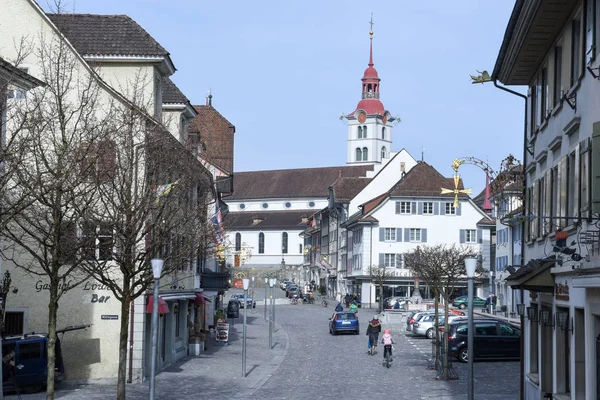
[
  {"x": 163, "y": 308},
  {"x": 201, "y": 299}
]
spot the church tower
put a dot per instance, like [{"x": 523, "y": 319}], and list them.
[{"x": 370, "y": 125}]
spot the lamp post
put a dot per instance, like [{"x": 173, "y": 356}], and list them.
[
  {"x": 246, "y": 282},
  {"x": 253, "y": 297},
  {"x": 470, "y": 264},
  {"x": 157, "y": 265},
  {"x": 271, "y": 283},
  {"x": 266, "y": 283}
]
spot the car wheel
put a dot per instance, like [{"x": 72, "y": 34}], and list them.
[
  {"x": 429, "y": 333},
  {"x": 463, "y": 354},
  {"x": 462, "y": 306},
  {"x": 357, "y": 331}
]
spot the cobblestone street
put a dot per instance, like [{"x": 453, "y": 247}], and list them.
[{"x": 308, "y": 362}]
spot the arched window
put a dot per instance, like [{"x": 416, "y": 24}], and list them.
[
  {"x": 238, "y": 241},
  {"x": 360, "y": 132},
  {"x": 364, "y": 132},
  {"x": 284, "y": 243},
  {"x": 370, "y": 87},
  {"x": 383, "y": 133},
  {"x": 365, "y": 153},
  {"x": 261, "y": 243},
  {"x": 358, "y": 154},
  {"x": 383, "y": 153}
]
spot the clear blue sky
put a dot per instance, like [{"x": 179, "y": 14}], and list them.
[{"x": 283, "y": 72}]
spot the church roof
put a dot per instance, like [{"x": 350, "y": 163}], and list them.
[
  {"x": 292, "y": 183},
  {"x": 290, "y": 219},
  {"x": 345, "y": 189}
]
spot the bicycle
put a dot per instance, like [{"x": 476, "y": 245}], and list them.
[
  {"x": 294, "y": 300},
  {"x": 374, "y": 338},
  {"x": 324, "y": 303},
  {"x": 387, "y": 351}
]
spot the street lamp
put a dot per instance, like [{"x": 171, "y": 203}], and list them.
[
  {"x": 253, "y": 297},
  {"x": 157, "y": 266},
  {"x": 470, "y": 265},
  {"x": 246, "y": 282},
  {"x": 266, "y": 283},
  {"x": 271, "y": 283}
]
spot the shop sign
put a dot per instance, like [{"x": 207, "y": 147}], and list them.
[
  {"x": 110, "y": 317},
  {"x": 561, "y": 291}
]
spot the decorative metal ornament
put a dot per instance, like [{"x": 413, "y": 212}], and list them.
[{"x": 456, "y": 191}]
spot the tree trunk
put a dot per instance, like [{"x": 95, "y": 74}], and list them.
[
  {"x": 437, "y": 335},
  {"x": 123, "y": 336},
  {"x": 51, "y": 344},
  {"x": 380, "y": 303}
]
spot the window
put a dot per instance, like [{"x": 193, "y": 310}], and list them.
[
  {"x": 300, "y": 248},
  {"x": 242, "y": 206},
  {"x": 415, "y": 234},
  {"x": 17, "y": 93},
  {"x": 584, "y": 161},
  {"x": 590, "y": 26},
  {"x": 97, "y": 241},
  {"x": 557, "y": 75},
  {"x": 390, "y": 234},
  {"x": 383, "y": 153},
  {"x": 358, "y": 154},
  {"x": 365, "y": 154},
  {"x": 450, "y": 209},
  {"x": 360, "y": 132},
  {"x": 238, "y": 241},
  {"x": 265, "y": 205},
  {"x": 383, "y": 133},
  {"x": 261, "y": 243},
  {"x": 288, "y": 204},
  {"x": 428, "y": 207},
  {"x": 539, "y": 113},
  {"x": 14, "y": 323},
  {"x": 284, "y": 242},
  {"x": 470, "y": 236},
  {"x": 67, "y": 242},
  {"x": 364, "y": 132},
  {"x": 404, "y": 207},
  {"x": 533, "y": 124},
  {"x": 389, "y": 260},
  {"x": 97, "y": 161},
  {"x": 572, "y": 188},
  {"x": 575, "y": 50},
  {"x": 485, "y": 329}
]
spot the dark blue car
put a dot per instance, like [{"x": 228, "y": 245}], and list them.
[{"x": 344, "y": 321}]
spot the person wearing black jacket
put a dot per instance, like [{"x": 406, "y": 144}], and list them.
[{"x": 373, "y": 331}]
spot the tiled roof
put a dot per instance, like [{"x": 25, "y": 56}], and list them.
[
  {"x": 107, "y": 35},
  {"x": 265, "y": 220},
  {"x": 217, "y": 135},
  {"x": 171, "y": 93},
  {"x": 14, "y": 75},
  {"x": 486, "y": 221},
  {"x": 346, "y": 188},
  {"x": 424, "y": 180},
  {"x": 286, "y": 183}
]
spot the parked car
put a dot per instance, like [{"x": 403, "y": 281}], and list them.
[
  {"x": 240, "y": 297},
  {"x": 289, "y": 289},
  {"x": 462, "y": 302},
  {"x": 410, "y": 320},
  {"x": 344, "y": 321},
  {"x": 390, "y": 302},
  {"x": 426, "y": 326},
  {"x": 284, "y": 284},
  {"x": 450, "y": 311},
  {"x": 493, "y": 339},
  {"x": 416, "y": 318}
]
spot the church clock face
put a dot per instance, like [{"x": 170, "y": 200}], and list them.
[{"x": 362, "y": 118}]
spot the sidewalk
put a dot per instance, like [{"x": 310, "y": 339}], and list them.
[{"x": 215, "y": 374}]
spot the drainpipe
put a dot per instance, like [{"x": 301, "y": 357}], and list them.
[{"x": 522, "y": 362}]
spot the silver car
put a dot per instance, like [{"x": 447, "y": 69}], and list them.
[
  {"x": 426, "y": 326},
  {"x": 415, "y": 318}
]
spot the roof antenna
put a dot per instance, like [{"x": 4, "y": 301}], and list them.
[
  {"x": 209, "y": 98},
  {"x": 422, "y": 153}
]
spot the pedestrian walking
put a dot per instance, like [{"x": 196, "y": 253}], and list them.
[{"x": 373, "y": 331}]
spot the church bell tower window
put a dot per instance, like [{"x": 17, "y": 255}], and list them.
[
  {"x": 358, "y": 154},
  {"x": 360, "y": 132},
  {"x": 364, "y": 132},
  {"x": 365, "y": 154},
  {"x": 383, "y": 133}
]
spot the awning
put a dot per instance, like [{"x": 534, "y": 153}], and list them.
[
  {"x": 178, "y": 296},
  {"x": 201, "y": 299},
  {"x": 209, "y": 293},
  {"x": 534, "y": 276},
  {"x": 163, "y": 308}
]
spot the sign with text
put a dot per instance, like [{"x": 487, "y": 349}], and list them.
[{"x": 110, "y": 317}]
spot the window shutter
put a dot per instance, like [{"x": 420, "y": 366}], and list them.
[
  {"x": 420, "y": 208},
  {"x": 406, "y": 234},
  {"x": 480, "y": 236},
  {"x": 424, "y": 235},
  {"x": 436, "y": 208},
  {"x": 458, "y": 209},
  {"x": 576, "y": 184},
  {"x": 442, "y": 208},
  {"x": 548, "y": 202},
  {"x": 399, "y": 235},
  {"x": 381, "y": 259},
  {"x": 462, "y": 235},
  {"x": 413, "y": 207},
  {"x": 535, "y": 210},
  {"x": 398, "y": 260},
  {"x": 562, "y": 177},
  {"x": 397, "y": 207},
  {"x": 381, "y": 234}
]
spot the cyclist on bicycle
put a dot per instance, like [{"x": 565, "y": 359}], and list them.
[
  {"x": 373, "y": 331},
  {"x": 339, "y": 307},
  {"x": 387, "y": 344},
  {"x": 353, "y": 307}
]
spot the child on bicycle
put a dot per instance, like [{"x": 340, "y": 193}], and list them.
[
  {"x": 353, "y": 308},
  {"x": 387, "y": 344},
  {"x": 373, "y": 331}
]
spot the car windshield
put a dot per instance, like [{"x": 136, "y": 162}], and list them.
[{"x": 345, "y": 316}]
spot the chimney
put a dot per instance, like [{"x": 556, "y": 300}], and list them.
[
  {"x": 339, "y": 173},
  {"x": 402, "y": 167}
]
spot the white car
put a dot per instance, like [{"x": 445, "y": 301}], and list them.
[{"x": 426, "y": 327}]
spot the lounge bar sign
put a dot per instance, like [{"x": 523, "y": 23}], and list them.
[{"x": 561, "y": 292}]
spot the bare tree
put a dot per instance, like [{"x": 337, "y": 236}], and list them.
[
  {"x": 379, "y": 274},
  {"x": 51, "y": 132},
  {"x": 442, "y": 268}
]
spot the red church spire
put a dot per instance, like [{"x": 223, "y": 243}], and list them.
[{"x": 487, "y": 205}]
